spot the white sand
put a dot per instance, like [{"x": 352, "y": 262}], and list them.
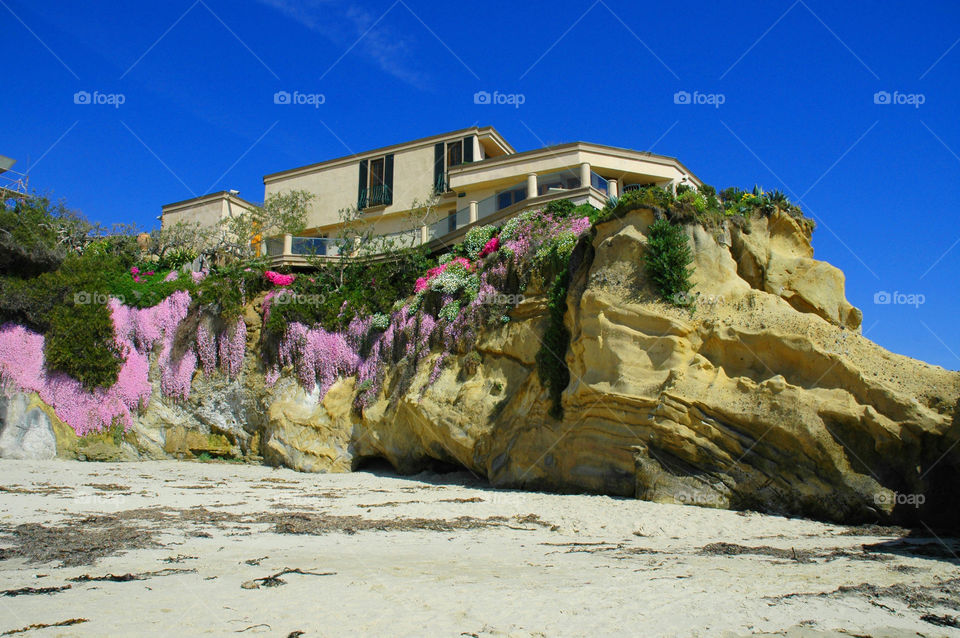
[{"x": 639, "y": 570}]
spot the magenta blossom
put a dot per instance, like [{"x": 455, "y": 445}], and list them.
[
  {"x": 277, "y": 279},
  {"x": 148, "y": 273},
  {"x": 490, "y": 247},
  {"x": 134, "y": 270}
]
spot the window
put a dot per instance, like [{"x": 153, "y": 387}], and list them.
[
  {"x": 376, "y": 172},
  {"x": 376, "y": 182},
  {"x": 454, "y": 153}
]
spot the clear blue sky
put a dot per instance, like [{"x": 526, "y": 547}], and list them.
[{"x": 797, "y": 80}]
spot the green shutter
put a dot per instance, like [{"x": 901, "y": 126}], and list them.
[
  {"x": 468, "y": 149},
  {"x": 362, "y": 187},
  {"x": 438, "y": 181},
  {"x": 388, "y": 177}
]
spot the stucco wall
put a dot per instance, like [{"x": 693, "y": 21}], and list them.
[{"x": 335, "y": 187}]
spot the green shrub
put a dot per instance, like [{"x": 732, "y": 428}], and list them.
[
  {"x": 667, "y": 260},
  {"x": 80, "y": 343},
  {"x": 559, "y": 208},
  {"x": 476, "y": 238},
  {"x": 151, "y": 290},
  {"x": 551, "y": 358},
  {"x": 450, "y": 311}
]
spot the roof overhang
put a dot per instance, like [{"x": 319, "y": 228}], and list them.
[
  {"x": 607, "y": 161},
  {"x": 484, "y": 133}
]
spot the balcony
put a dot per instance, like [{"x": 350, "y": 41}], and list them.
[
  {"x": 449, "y": 229},
  {"x": 378, "y": 195}
]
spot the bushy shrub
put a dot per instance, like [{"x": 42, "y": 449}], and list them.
[
  {"x": 667, "y": 260},
  {"x": 148, "y": 288},
  {"x": 476, "y": 238},
  {"x": 80, "y": 343},
  {"x": 449, "y": 311},
  {"x": 380, "y": 321}
]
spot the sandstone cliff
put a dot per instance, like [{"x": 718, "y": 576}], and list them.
[{"x": 764, "y": 397}]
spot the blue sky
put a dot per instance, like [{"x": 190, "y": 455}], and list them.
[{"x": 798, "y": 80}]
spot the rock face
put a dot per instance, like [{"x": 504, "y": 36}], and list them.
[
  {"x": 764, "y": 397},
  {"x": 25, "y": 430}
]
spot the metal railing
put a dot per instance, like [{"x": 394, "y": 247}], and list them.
[
  {"x": 487, "y": 206},
  {"x": 319, "y": 246},
  {"x": 560, "y": 180},
  {"x": 378, "y": 195}
]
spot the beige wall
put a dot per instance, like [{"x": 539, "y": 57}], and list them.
[
  {"x": 335, "y": 186},
  {"x": 207, "y": 211}
]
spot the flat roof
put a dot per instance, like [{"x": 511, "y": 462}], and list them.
[
  {"x": 547, "y": 150},
  {"x": 383, "y": 149}
]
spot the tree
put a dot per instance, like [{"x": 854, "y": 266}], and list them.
[
  {"x": 179, "y": 243},
  {"x": 36, "y": 234},
  {"x": 280, "y": 214}
]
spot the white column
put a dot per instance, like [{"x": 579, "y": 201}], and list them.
[
  {"x": 531, "y": 185},
  {"x": 287, "y": 244},
  {"x": 424, "y": 234},
  {"x": 612, "y": 188},
  {"x": 584, "y": 174},
  {"x": 474, "y": 213}
]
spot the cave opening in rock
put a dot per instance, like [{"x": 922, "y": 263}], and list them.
[{"x": 374, "y": 465}]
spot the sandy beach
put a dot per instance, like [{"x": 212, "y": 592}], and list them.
[{"x": 178, "y": 548}]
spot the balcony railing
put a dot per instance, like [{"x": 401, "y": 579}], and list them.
[
  {"x": 378, "y": 195},
  {"x": 319, "y": 246},
  {"x": 598, "y": 182},
  {"x": 291, "y": 250}
]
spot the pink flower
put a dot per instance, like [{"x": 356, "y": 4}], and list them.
[
  {"x": 149, "y": 273},
  {"x": 136, "y": 278},
  {"x": 490, "y": 247},
  {"x": 277, "y": 279},
  {"x": 134, "y": 270},
  {"x": 171, "y": 276},
  {"x": 198, "y": 276}
]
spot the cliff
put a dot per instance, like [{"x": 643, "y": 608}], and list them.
[{"x": 761, "y": 395}]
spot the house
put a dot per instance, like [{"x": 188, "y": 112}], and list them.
[
  {"x": 207, "y": 210},
  {"x": 476, "y": 176}
]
